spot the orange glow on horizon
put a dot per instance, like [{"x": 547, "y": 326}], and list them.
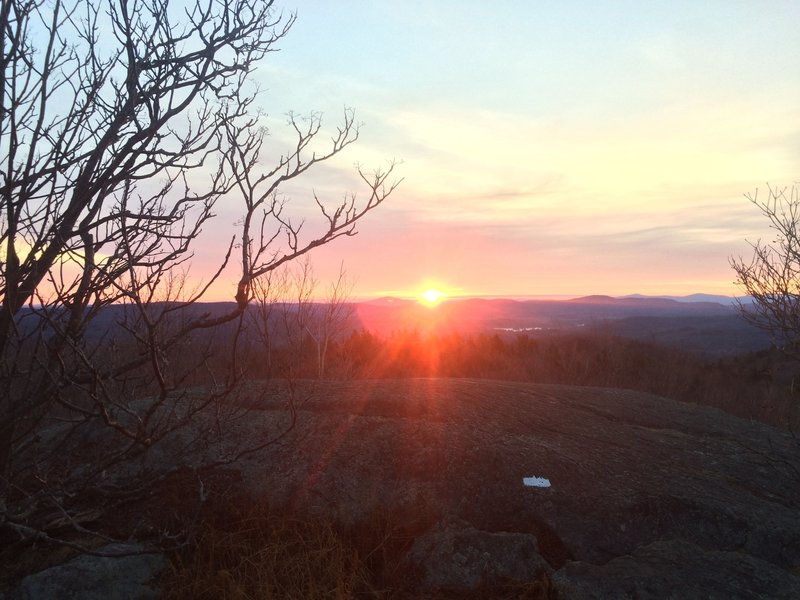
[{"x": 432, "y": 297}]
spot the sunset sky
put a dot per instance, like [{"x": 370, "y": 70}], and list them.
[{"x": 547, "y": 148}]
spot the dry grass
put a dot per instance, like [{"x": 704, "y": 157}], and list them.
[
  {"x": 251, "y": 552},
  {"x": 246, "y": 551}
]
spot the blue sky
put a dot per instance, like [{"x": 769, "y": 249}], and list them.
[{"x": 548, "y": 147}]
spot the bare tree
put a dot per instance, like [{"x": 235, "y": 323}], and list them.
[
  {"x": 288, "y": 316},
  {"x": 270, "y": 294},
  {"x": 282, "y": 307},
  {"x": 771, "y": 277},
  {"x": 332, "y": 316},
  {"x": 109, "y": 112}
]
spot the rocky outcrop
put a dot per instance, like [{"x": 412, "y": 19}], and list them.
[
  {"x": 636, "y": 481},
  {"x": 121, "y": 572},
  {"x": 677, "y": 569},
  {"x": 647, "y": 497}
]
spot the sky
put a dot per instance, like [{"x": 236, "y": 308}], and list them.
[{"x": 546, "y": 148}]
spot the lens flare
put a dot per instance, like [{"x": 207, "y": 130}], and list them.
[{"x": 431, "y": 297}]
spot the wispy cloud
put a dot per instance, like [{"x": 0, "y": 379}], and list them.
[{"x": 555, "y": 149}]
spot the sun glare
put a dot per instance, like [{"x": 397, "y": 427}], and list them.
[{"x": 431, "y": 297}]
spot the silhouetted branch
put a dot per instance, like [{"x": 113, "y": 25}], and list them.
[{"x": 111, "y": 112}]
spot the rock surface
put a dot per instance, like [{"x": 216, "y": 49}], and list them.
[
  {"x": 676, "y": 570},
  {"x": 649, "y": 498},
  {"x": 87, "y": 577},
  {"x": 641, "y": 486},
  {"x": 462, "y": 558}
]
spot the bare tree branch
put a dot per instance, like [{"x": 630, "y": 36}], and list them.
[
  {"x": 771, "y": 277},
  {"x": 111, "y": 112}
]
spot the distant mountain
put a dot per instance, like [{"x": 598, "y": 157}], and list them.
[
  {"x": 594, "y": 299},
  {"x": 717, "y": 298},
  {"x": 388, "y": 301},
  {"x": 638, "y": 302},
  {"x": 696, "y": 322},
  {"x": 634, "y": 300}
]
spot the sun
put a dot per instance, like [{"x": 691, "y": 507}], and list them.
[{"x": 431, "y": 297}]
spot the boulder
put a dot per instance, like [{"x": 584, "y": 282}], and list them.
[
  {"x": 124, "y": 573},
  {"x": 464, "y": 558}
]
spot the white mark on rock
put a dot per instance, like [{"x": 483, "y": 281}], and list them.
[{"x": 536, "y": 482}]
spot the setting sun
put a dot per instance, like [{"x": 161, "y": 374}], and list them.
[{"x": 431, "y": 297}]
